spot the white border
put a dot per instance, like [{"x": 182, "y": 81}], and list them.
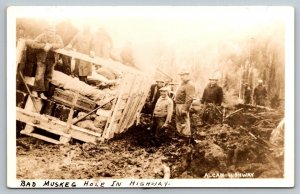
[{"x": 285, "y": 13}]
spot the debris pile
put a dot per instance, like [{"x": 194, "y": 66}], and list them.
[{"x": 240, "y": 146}]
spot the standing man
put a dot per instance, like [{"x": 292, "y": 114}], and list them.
[
  {"x": 46, "y": 42},
  {"x": 260, "y": 94},
  {"x": 212, "y": 97},
  {"x": 103, "y": 44},
  {"x": 213, "y": 93},
  {"x": 127, "y": 55},
  {"x": 83, "y": 43},
  {"x": 67, "y": 31},
  {"x": 183, "y": 100},
  {"x": 247, "y": 94},
  {"x": 154, "y": 95},
  {"x": 162, "y": 114}
]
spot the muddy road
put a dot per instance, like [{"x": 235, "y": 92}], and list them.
[{"x": 239, "y": 146}]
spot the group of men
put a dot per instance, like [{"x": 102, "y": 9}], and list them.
[
  {"x": 159, "y": 102},
  {"x": 259, "y": 94},
  {"x": 163, "y": 106},
  {"x": 47, "y": 42}
]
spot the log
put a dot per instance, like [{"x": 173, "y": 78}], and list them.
[
  {"x": 233, "y": 113},
  {"x": 254, "y": 106}
]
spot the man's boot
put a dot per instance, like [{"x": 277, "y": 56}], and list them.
[{"x": 42, "y": 96}]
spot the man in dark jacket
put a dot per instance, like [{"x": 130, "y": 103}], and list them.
[
  {"x": 260, "y": 94},
  {"x": 154, "y": 94},
  {"x": 247, "y": 94},
  {"x": 213, "y": 93},
  {"x": 46, "y": 43},
  {"x": 82, "y": 42},
  {"x": 212, "y": 97}
]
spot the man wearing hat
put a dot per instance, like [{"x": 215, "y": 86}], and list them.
[
  {"x": 183, "y": 100},
  {"x": 247, "y": 93},
  {"x": 154, "y": 94},
  {"x": 162, "y": 114},
  {"x": 212, "y": 97},
  {"x": 260, "y": 94},
  {"x": 46, "y": 43},
  {"x": 82, "y": 42}
]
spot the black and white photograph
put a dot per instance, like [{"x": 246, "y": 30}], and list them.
[{"x": 150, "y": 97}]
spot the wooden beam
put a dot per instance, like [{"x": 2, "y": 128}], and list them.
[
  {"x": 114, "y": 65},
  {"x": 38, "y": 136},
  {"x": 53, "y": 125},
  {"x": 70, "y": 116}
]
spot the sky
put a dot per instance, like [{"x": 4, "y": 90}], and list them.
[
  {"x": 173, "y": 29},
  {"x": 170, "y": 23}
]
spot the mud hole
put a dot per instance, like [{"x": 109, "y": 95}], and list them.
[{"x": 240, "y": 145}]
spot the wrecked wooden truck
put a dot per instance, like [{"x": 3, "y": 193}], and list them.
[{"x": 75, "y": 109}]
